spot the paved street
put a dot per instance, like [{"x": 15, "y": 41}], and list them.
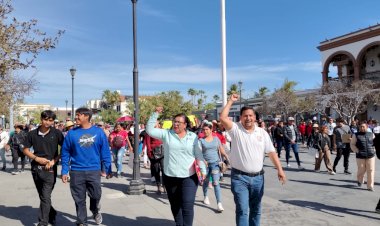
[{"x": 308, "y": 198}]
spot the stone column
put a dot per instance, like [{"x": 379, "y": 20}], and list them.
[{"x": 324, "y": 76}]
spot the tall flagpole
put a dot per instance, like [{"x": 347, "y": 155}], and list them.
[{"x": 224, "y": 66}]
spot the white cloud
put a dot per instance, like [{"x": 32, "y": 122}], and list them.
[{"x": 55, "y": 85}]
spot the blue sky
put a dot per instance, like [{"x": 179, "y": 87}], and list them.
[{"x": 179, "y": 44}]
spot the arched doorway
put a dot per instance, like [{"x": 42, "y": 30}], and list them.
[
  {"x": 369, "y": 62},
  {"x": 340, "y": 66}
]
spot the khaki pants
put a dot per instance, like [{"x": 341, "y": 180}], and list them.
[
  {"x": 326, "y": 156},
  {"x": 366, "y": 166}
]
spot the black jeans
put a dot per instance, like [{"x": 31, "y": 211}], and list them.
[
  {"x": 346, "y": 155},
  {"x": 80, "y": 183},
  {"x": 157, "y": 166},
  {"x": 44, "y": 181},
  {"x": 15, "y": 155},
  {"x": 181, "y": 194}
]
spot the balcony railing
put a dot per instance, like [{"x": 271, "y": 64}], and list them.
[
  {"x": 374, "y": 76},
  {"x": 345, "y": 79}
]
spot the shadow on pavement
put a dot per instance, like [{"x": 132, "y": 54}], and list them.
[
  {"x": 28, "y": 215},
  {"x": 350, "y": 181},
  {"x": 351, "y": 186},
  {"x": 329, "y": 209},
  {"x": 109, "y": 219}
]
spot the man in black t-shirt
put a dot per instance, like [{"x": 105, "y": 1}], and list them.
[{"x": 44, "y": 140}]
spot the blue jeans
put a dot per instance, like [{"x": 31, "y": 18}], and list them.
[
  {"x": 213, "y": 170},
  {"x": 82, "y": 182},
  {"x": 295, "y": 150},
  {"x": 118, "y": 157},
  {"x": 248, "y": 192},
  {"x": 181, "y": 194}
]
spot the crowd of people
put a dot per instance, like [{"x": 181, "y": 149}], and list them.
[{"x": 183, "y": 157}]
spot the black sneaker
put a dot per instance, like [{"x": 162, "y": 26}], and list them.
[
  {"x": 52, "y": 218},
  {"x": 377, "y": 209},
  {"x": 347, "y": 172},
  {"x": 359, "y": 184},
  {"x": 3, "y": 169}
]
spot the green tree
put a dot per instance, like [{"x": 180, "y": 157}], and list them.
[
  {"x": 192, "y": 92},
  {"x": 172, "y": 102},
  {"x": 233, "y": 89},
  {"x": 109, "y": 115},
  {"x": 263, "y": 91},
  {"x": 209, "y": 106},
  {"x": 200, "y": 103},
  {"x": 110, "y": 99},
  {"x": 283, "y": 101},
  {"x": 216, "y": 98}
]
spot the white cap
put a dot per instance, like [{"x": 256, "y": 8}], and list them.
[{"x": 290, "y": 119}]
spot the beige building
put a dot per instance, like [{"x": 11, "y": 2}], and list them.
[{"x": 352, "y": 57}]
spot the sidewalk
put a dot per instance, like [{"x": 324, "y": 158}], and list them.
[{"x": 308, "y": 198}]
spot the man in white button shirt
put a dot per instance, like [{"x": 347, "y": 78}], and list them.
[{"x": 249, "y": 144}]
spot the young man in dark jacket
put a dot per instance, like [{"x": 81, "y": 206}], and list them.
[
  {"x": 291, "y": 135},
  {"x": 279, "y": 137}
]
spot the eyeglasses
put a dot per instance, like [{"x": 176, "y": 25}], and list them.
[{"x": 177, "y": 122}]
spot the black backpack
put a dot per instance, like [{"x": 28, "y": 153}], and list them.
[{"x": 158, "y": 152}]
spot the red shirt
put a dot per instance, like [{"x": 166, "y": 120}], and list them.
[
  {"x": 302, "y": 129},
  {"x": 214, "y": 134},
  {"x": 309, "y": 130},
  {"x": 121, "y": 133},
  {"x": 150, "y": 144}
]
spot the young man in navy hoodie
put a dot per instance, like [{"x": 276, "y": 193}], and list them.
[{"x": 84, "y": 150}]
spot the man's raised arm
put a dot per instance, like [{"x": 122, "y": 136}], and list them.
[{"x": 224, "y": 119}]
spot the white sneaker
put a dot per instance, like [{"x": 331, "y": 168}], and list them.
[
  {"x": 206, "y": 201},
  {"x": 332, "y": 173},
  {"x": 220, "y": 207},
  {"x": 98, "y": 218},
  {"x": 288, "y": 165}
]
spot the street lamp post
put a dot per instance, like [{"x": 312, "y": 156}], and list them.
[
  {"x": 136, "y": 186},
  {"x": 72, "y": 72},
  {"x": 240, "y": 98},
  {"x": 66, "y": 101}
]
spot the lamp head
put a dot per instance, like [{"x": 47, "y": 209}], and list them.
[{"x": 72, "y": 71}]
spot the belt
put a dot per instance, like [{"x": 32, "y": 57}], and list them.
[{"x": 247, "y": 174}]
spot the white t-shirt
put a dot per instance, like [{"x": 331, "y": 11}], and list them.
[
  {"x": 4, "y": 137},
  {"x": 248, "y": 148},
  {"x": 330, "y": 127}
]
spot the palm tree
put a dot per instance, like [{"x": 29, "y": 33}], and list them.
[
  {"x": 233, "y": 89},
  {"x": 201, "y": 93},
  {"x": 200, "y": 103},
  {"x": 110, "y": 98},
  {"x": 288, "y": 86},
  {"x": 192, "y": 92},
  {"x": 262, "y": 92},
  {"x": 216, "y": 98}
]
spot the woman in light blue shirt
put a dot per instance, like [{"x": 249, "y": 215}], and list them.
[{"x": 181, "y": 149}]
